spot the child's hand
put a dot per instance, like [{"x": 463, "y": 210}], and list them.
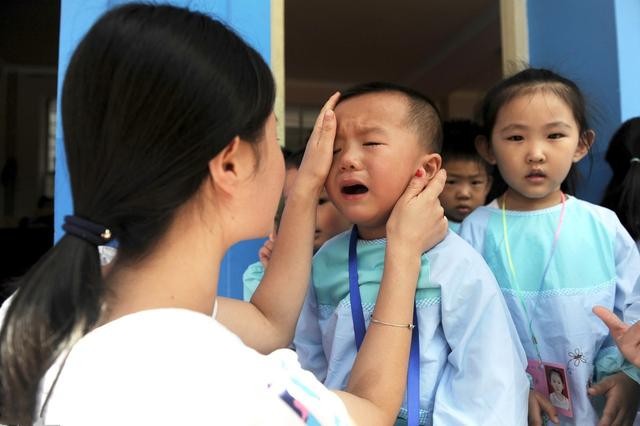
[
  {"x": 540, "y": 406},
  {"x": 622, "y": 394},
  {"x": 417, "y": 221},
  {"x": 264, "y": 254},
  {"x": 318, "y": 154},
  {"x": 627, "y": 337}
]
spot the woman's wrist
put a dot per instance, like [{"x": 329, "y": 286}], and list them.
[
  {"x": 400, "y": 251},
  {"x": 307, "y": 185}
]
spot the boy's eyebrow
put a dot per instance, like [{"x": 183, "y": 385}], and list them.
[
  {"x": 477, "y": 175},
  {"x": 363, "y": 128}
]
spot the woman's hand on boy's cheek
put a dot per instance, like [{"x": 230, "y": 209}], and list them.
[
  {"x": 539, "y": 407},
  {"x": 622, "y": 394},
  {"x": 417, "y": 220}
]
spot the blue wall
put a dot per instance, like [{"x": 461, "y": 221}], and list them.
[
  {"x": 250, "y": 18},
  {"x": 595, "y": 43}
]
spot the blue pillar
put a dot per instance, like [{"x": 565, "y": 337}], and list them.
[
  {"x": 594, "y": 43},
  {"x": 249, "y": 18},
  {"x": 628, "y": 32}
]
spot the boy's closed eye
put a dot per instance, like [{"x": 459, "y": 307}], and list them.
[
  {"x": 372, "y": 143},
  {"x": 322, "y": 200}
]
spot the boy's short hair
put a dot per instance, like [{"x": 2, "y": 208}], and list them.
[
  {"x": 459, "y": 142},
  {"x": 423, "y": 114}
]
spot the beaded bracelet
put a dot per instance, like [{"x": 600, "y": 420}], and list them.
[{"x": 409, "y": 326}]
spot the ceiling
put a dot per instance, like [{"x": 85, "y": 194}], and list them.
[
  {"x": 435, "y": 46},
  {"x": 29, "y": 32}
]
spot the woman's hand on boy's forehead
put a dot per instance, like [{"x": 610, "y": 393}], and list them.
[{"x": 319, "y": 151}]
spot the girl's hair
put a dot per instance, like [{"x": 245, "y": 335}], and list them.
[
  {"x": 151, "y": 95},
  {"x": 623, "y": 192},
  {"x": 529, "y": 81}
]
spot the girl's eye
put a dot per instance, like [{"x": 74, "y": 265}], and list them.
[
  {"x": 516, "y": 138},
  {"x": 556, "y": 135}
]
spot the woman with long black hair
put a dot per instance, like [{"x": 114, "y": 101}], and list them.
[{"x": 172, "y": 152}]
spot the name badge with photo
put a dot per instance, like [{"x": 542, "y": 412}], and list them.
[{"x": 550, "y": 380}]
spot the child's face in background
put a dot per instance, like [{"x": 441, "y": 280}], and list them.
[
  {"x": 466, "y": 188},
  {"x": 329, "y": 221},
  {"x": 289, "y": 177},
  {"x": 534, "y": 142},
  {"x": 377, "y": 152}
]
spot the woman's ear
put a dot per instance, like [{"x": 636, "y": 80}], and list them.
[
  {"x": 226, "y": 168},
  {"x": 584, "y": 145},
  {"x": 431, "y": 163},
  {"x": 484, "y": 149}
]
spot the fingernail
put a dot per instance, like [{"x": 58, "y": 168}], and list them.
[{"x": 419, "y": 173}]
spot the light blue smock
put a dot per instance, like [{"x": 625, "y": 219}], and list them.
[
  {"x": 454, "y": 226},
  {"x": 251, "y": 278},
  {"x": 595, "y": 263},
  {"x": 472, "y": 367}
]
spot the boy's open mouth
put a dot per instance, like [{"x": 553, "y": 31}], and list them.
[{"x": 354, "y": 189}]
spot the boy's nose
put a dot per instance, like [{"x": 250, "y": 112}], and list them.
[
  {"x": 464, "y": 192},
  {"x": 349, "y": 161}
]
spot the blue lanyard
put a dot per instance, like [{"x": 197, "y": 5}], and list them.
[{"x": 359, "y": 329}]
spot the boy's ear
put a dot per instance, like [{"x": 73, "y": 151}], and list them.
[
  {"x": 484, "y": 149},
  {"x": 431, "y": 163},
  {"x": 584, "y": 145}
]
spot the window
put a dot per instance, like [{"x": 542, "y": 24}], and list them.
[{"x": 50, "y": 151}]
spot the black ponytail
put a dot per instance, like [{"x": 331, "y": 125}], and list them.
[{"x": 58, "y": 299}]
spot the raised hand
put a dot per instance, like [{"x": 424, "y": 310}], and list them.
[
  {"x": 264, "y": 254},
  {"x": 626, "y": 337}
]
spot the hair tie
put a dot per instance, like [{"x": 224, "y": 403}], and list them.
[
  {"x": 634, "y": 160},
  {"x": 86, "y": 230}
]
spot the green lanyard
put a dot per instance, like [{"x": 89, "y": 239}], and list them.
[{"x": 512, "y": 269}]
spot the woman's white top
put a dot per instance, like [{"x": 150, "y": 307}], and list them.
[{"x": 180, "y": 367}]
